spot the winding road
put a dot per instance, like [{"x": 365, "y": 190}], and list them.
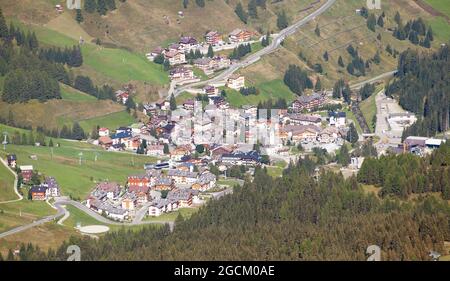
[
  {"x": 15, "y": 183},
  {"x": 276, "y": 42}
]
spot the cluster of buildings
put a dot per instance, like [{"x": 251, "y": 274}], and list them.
[
  {"x": 156, "y": 191},
  {"x": 419, "y": 145},
  {"x": 48, "y": 189},
  {"x": 176, "y": 53}
]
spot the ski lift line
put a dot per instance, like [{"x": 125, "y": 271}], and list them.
[
  {"x": 348, "y": 43},
  {"x": 333, "y": 36}
]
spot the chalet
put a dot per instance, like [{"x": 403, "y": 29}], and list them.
[
  {"x": 221, "y": 62},
  {"x": 308, "y": 102},
  {"x": 239, "y": 36},
  {"x": 219, "y": 102},
  {"x": 122, "y": 96},
  {"x": 211, "y": 90},
  {"x": 236, "y": 82},
  {"x": 179, "y": 152},
  {"x": 337, "y": 119},
  {"x": 105, "y": 141},
  {"x": 111, "y": 189},
  {"x": 181, "y": 73},
  {"x": 138, "y": 182},
  {"x": 155, "y": 150},
  {"x": 241, "y": 158},
  {"x": 188, "y": 42},
  {"x": 205, "y": 64},
  {"x": 206, "y": 181},
  {"x": 129, "y": 201},
  {"x": 163, "y": 105},
  {"x": 175, "y": 47},
  {"x": 414, "y": 141},
  {"x": 183, "y": 196},
  {"x": 161, "y": 206},
  {"x": 189, "y": 104},
  {"x": 103, "y": 132},
  {"x": 121, "y": 138},
  {"x": 12, "y": 160},
  {"x": 213, "y": 38},
  {"x": 182, "y": 177},
  {"x": 38, "y": 193},
  {"x": 26, "y": 172},
  {"x": 156, "y": 52},
  {"x": 175, "y": 57},
  {"x": 52, "y": 187},
  {"x": 328, "y": 135},
  {"x": 217, "y": 153},
  {"x": 149, "y": 108},
  {"x": 298, "y": 133},
  {"x": 163, "y": 183}
]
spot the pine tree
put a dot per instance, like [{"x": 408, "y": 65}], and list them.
[
  {"x": 318, "y": 86},
  {"x": 210, "y": 51},
  {"x": 166, "y": 65},
  {"x": 185, "y": 3},
  {"x": 200, "y": 3},
  {"x": 377, "y": 58},
  {"x": 50, "y": 143},
  {"x": 371, "y": 22},
  {"x": 111, "y": 4},
  {"x": 317, "y": 30},
  {"x": 380, "y": 21},
  {"x": 173, "y": 103},
  {"x": 252, "y": 9},
  {"x": 101, "y": 7},
  {"x": 325, "y": 56},
  {"x": 90, "y": 6},
  {"x": 282, "y": 21},
  {"x": 341, "y": 62},
  {"x": 397, "y": 18},
  {"x": 33, "y": 43},
  {"x": 77, "y": 132},
  {"x": 166, "y": 149},
  {"x": 79, "y": 17},
  {"x": 352, "y": 134},
  {"x": 239, "y": 10},
  {"x": 4, "y": 31}
]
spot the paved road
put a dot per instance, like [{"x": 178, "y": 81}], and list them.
[
  {"x": 60, "y": 203},
  {"x": 374, "y": 79},
  {"x": 15, "y": 183},
  {"x": 276, "y": 42}
]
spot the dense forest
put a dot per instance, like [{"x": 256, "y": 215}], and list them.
[
  {"x": 296, "y": 217},
  {"x": 422, "y": 87},
  {"x": 405, "y": 174}
]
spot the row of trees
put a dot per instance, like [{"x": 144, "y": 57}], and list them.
[
  {"x": 295, "y": 217},
  {"x": 415, "y": 31},
  {"x": 297, "y": 79},
  {"x": 357, "y": 66},
  {"x": 240, "y": 51},
  {"x": 70, "y": 56},
  {"x": 342, "y": 90},
  {"x": 99, "y": 6},
  {"x": 85, "y": 84},
  {"x": 405, "y": 174}
]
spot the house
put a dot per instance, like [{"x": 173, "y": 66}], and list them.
[
  {"x": 129, "y": 201},
  {"x": 163, "y": 183},
  {"x": 206, "y": 181},
  {"x": 26, "y": 172},
  {"x": 183, "y": 196},
  {"x": 211, "y": 90},
  {"x": 103, "y": 132},
  {"x": 12, "y": 160},
  {"x": 156, "y": 52},
  {"x": 328, "y": 135},
  {"x": 205, "y": 64},
  {"x": 189, "y": 104},
  {"x": 105, "y": 141},
  {"x": 239, "y": 36},
  {"x": 121, "y": 137},
  {"x": 221, "y": 62},
  {"x": 298, "y": 133},
  {"x": 161, "y": 206},
  {"x": 187, "y": 43},
  {"x": 52, "y": 187},
  {"x": 149, "y": 108},
  {"x": 182, "y": 176},
  {"x": 175, "y": 57},
  {"x": 414, "y": 141},
  {"x": 213, "y": 38},
  {"x": 308, "y": 102},
  {"x": 155, "y": 150},
  {"x": 122, "y": 96},
  {"x": 236, "y": 82},
  {"x": 136, "y": 182},
  {"x": 181, "y": 73},
  {"x": 337, "y": 119},
  {"x": 217, "y": 152},
  {"x": 38, "y": 193},
  {"x": 241, "y": 158},
  {"x": 179, "y": 152},
  {"x": 112, "y": 189}
]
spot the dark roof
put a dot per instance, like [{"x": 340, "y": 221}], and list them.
[
  {"x": 11, "y": 157},
  {"x": 38, "y": 188}
]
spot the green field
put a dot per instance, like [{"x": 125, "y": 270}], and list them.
[
  {"x": 442, "y": 6},
  {"x": 441, "y": 28},
  {"x": 369, "y": 110},
  {"x": 75, "y": 179},
  {"x": 71, "y": 94},
  {"x": 6, "y": 184},
  {"x": 274, "y": 90},
  {"x": 352, "y": 117},
  {"x": 118, "y": 64},
  {"x": 22, "y": 212},
  {"x": 111, "y": 121},
  {"x": 185, "y": 212}
]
